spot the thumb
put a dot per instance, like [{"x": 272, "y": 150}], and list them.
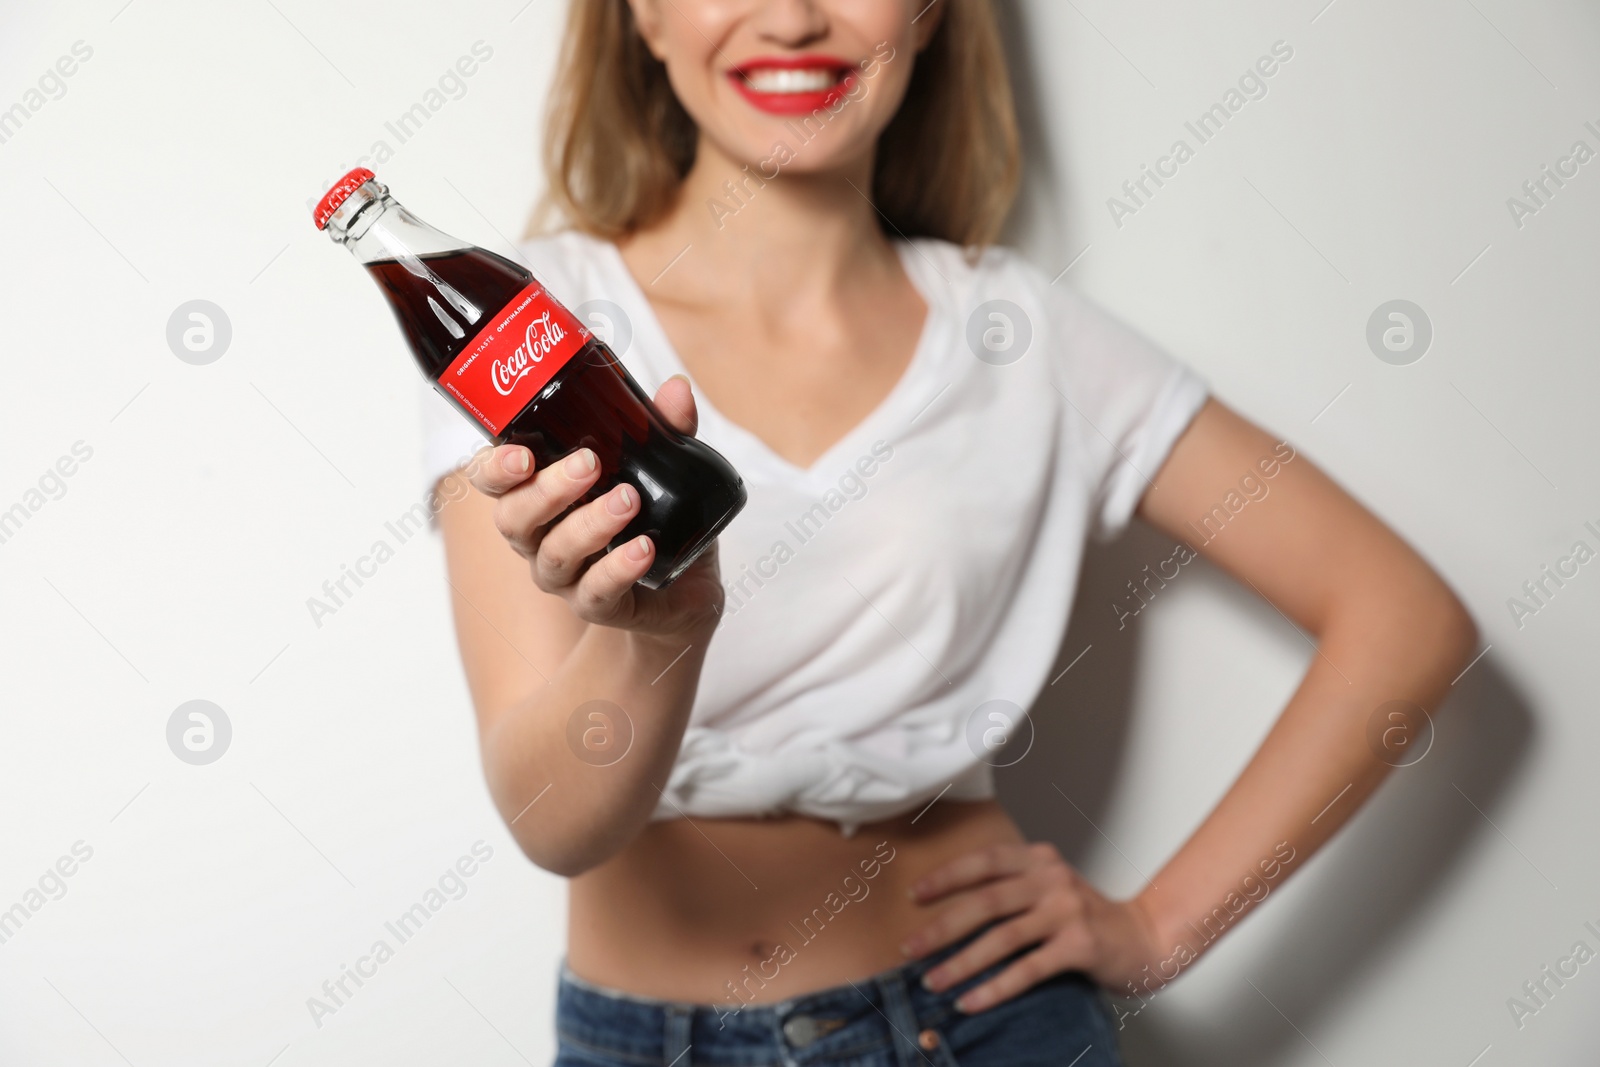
[{"x": 676, "y": 401}]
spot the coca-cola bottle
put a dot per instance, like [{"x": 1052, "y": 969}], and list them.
[{"x": 500, "y": 348}]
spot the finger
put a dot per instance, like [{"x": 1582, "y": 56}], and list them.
[
  {"x": 970, "y": 911},
  {"x": 567, "y": 544},
  {"x": 1021, "y": 976},
  {"x": 986, "y": 864},
  {"x": 675, "y": 400},
  {"x": 525, "y": 510},
  {"x": 604, "y": 594},
  {"x": 996, "y": 944},
  {"x": 495, "y": 471}
]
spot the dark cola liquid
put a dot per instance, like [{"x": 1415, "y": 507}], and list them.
[{"x": 688, "y": 491}]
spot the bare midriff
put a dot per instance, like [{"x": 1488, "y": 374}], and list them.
[{"x": 746, "y": 911}]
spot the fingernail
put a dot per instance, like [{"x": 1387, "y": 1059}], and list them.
[
  {"x": 580, "y": 463},
  {"x": 909, "y": 948},
  {"x": 517, "y": 460},
  {"x": 681, "y": 377},
  {"x": 969, "y": 1002},
  {"x": 638, "y": 548},
  {"x": 620, "y": 502},
  {"x": 932, "y": 981}
]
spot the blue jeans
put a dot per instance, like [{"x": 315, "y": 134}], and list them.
[{"x": 888, "y": 1020}]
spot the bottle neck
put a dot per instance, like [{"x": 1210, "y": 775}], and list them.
[{"x": 375, "y": 226}]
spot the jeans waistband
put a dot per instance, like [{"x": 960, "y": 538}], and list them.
[{"x": 888, "y": 1008}]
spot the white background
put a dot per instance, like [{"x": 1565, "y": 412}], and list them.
[{"x": 177, "y": 166}]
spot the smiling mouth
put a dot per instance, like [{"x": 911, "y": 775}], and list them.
[
  {"x": 793, "y": 86},
  {"x": 788, "y": 82}
]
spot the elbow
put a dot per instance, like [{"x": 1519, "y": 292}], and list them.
[
  {"x": 1446, "y": 635},
  {"x": 564, "y": 863},
  {"x": 560, "y": 832},
  {"x": 1453, "y": 633},
  {"x": 557, "y": 842},
  {"x": 567, "y": 816},
  {"x": 1415, "y": 624},
  {"x": 565, "y": 839},
  {"x": 1458, "y": 631},
  {"x": 565, "y": 858}
]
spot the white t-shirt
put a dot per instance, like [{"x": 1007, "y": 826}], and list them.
[{"x": 885, "y": 603}]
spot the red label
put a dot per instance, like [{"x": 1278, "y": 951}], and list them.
[{"x": 513, "y": 357}]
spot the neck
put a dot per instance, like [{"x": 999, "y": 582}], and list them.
[{"x": 785, "y": 238}]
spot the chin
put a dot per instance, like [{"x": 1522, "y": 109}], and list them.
[{"x": 798, "y": 144}]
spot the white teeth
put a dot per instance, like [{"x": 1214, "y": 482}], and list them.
[{"x": 777, "y": 80}]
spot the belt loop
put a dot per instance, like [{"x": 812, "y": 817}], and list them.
[
  {"x": 675, "y": 1038},
  {"x": 902, "y": 1020}
]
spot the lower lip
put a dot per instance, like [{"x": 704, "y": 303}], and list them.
[{"x": 794, "y": 103}]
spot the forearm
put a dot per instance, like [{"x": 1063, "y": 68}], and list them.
[
  {"x": 1315, "y": 766},
  {"x": 577, "y": 767}
]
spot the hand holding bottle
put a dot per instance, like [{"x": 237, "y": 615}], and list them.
[{"x": 565, "y": 545}]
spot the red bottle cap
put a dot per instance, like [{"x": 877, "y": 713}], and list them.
[{"x": 339, "y": 194}]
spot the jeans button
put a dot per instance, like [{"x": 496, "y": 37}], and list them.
[
  {"x": 929, "y": 1040},
  {"x": 800, "y": 1030}
]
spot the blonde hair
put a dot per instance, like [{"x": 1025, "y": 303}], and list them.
[{"x": 618, "y": 144}]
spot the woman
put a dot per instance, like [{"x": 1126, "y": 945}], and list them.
[{"x": 791, "y": 849}]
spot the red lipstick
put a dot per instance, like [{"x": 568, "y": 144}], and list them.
[{"x": 783, "y": 95}]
